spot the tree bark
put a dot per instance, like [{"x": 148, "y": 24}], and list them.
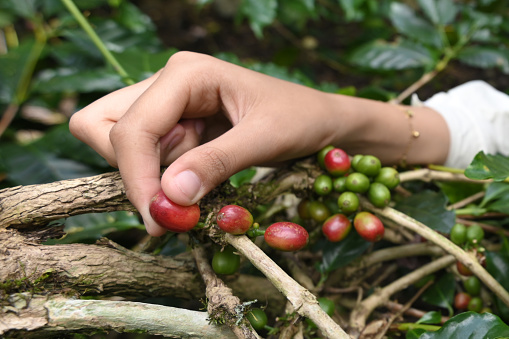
[
  {"x": 44, "y": 317},
  {"x": 111, "y": 270},
  {"x": 35, "y": 205}
]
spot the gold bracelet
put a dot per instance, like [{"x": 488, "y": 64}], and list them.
[{"x": 413, "y": 135}]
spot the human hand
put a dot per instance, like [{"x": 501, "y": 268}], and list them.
[{"x": 243, "y": 117}]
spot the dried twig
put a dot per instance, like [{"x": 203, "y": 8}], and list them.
[
  {"x": 303, "y": 301},
  {"x": 222, "y": 305},
  {"x": 467, "y": 259},
  {"x": 361, "y": 312}
]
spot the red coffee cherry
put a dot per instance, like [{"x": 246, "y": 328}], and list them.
[
  {"x": 336, "y": 227},
  {"x": 286, "y": 236},
  {"x": 461, "y": 301},
  {"x": 234, "y": 219},
  {"x": 337, "y": 162},
  {"x": 172, "y": 216},
  {"x": 368, "y": 226}
]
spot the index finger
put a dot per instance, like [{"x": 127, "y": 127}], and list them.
[{"x": 135, "y": 137}]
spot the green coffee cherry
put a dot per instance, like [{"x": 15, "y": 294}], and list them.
[
  {"x": 475, "y": 234},
  {"x": 472, "y": 285},
  {"x": 475, "y": 304},
  {"x": 357, "y": 182},
  {"x": 355, "y": 161},
  {"x": 388, "y": 176},
  {"x": 318, "y": 211},
  {"x": 339, "y": 184},
  {"x": 258, "y": 318},
  {"x": 369, "y": 165},
  {"x": 458, "y": 234},
  {"x": 379, "y": 195},
  {"x": 323, "y": 185},
  {"x": 348, "y": 202}
]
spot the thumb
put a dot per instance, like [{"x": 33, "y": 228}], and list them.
[{"x": 199, "y": 170}]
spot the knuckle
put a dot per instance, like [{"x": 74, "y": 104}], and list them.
[
  {"x": 219, "y": 162},
  {"x": 76, "y": 125},
  {"x": 116, "y": 134}
]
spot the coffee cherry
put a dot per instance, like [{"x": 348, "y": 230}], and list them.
[
  {"x": 458, "y": 234},
  {"x": 286, "y": 236},
  {"x": 475, "y": 234},
  {"x": 337, "y": 162},
  {"x": 472, "y": 285},
  {"x": 319, "y": 211},
  {"x": 258, "y": 318},
  {"x": 348, "y": 202},
  {"x": 463, "y": 270},
  {"x": 172, "y": 216},
  {"x": 379, "y": 195},
  {"x": 475, "y": 305},
  {"x": 388, "y": 176},
  {"x": 303, "y": 209},
  {"x": 368, "y": 226},
  {"x": 323, "y": 185},
  {"x": 357, "y": 182},
  {"x": 320, "y": 157},
  {"x": 461, "y": 301},
  {"x": 355, "y": 161},
  {"x": 234, "y": 219},
  {"x": 369, "y": 165},
  {"x": 225, "y": 262},
  {"x": 336, "y": 227},
  {"x": 339, "y": 184}
]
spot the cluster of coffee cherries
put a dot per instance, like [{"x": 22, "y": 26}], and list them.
[
  {"x": 343, "y": 180},
  {"x": 469, "y": 238},
  {"x": 237, "y": 220}
]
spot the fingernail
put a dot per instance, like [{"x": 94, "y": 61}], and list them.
[
  {"x": 199, "y": 126},
  {"x": 188, "y": 183}
]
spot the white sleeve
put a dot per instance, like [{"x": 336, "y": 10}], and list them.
[{"x": 478, "y": 119}]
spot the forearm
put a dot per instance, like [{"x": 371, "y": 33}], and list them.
[{"x": 386, "y": 131}]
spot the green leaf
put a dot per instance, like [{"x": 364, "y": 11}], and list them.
[
  {"x": 457, "y": 191},
  {"x": 56, "y": 156},
  {"x": 22, "y": 8},
  {"x": 428, "y": 207},
  {"x": 380, "y": 55},
  {"x": 497, "y": 193},
  {"x": 26, "y": 165},
  {"x": 72, "y": 80},
  {"x": 414, "y": 334},
  {"x": 488, "y": 166},
  {"x": 12, "y": 65},
  {"x": 63, "y": 144},
  {"x": 485, "y": 57},
  {"x": 497, "y": 264},
  {"x": 140, "y": 65},
  {"x": 260, "y": 13},
  {"x": 90, "y": 227},
  {"x": 242, "y": 177},
  {"x": 433, "y": 317},
  {"x": 135, "y": 20},
  {"x": 408, "y": 23},
  {"x": 340, "y": 254},
  {"x": 471, "y": 325},
  {"x": 441, "y": 293},
  {"x": 439, "y": 12},
  {"x": 353, "y": 9}
]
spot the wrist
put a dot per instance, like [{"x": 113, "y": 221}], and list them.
[{"x": 388, "y": 132}]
